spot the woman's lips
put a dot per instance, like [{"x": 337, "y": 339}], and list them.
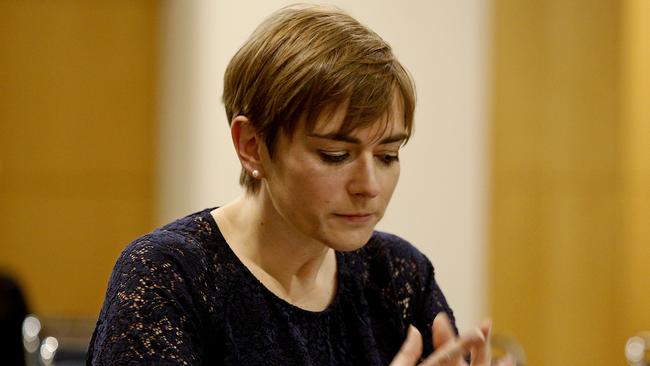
[{"x": 357, "y": 218}]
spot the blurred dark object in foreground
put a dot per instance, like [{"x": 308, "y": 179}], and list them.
[{"x": 13, "y": 310}]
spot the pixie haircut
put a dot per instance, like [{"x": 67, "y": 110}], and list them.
[{"x": 304, "y": 62}]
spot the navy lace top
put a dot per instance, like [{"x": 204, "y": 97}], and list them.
[{"x": 180, "y": 296}]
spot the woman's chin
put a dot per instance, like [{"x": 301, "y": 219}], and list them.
[{"x": 351, "y": 241}]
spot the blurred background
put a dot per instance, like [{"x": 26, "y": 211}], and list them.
[{"x": 527, "y": 182}]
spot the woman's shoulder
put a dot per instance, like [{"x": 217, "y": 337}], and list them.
[
  {"x": 182, "y": 253},
  {"x": 186, "y": 238},
  {"x": 157, "y": 296}
]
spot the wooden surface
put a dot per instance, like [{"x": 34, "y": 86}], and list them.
[
  {"x": 569, "y": 212},
  {"x": 77, "y": 111},
  {"x": 634, "y": 298}
]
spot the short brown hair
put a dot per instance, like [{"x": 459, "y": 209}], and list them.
[{"x": 305, "y": 60}]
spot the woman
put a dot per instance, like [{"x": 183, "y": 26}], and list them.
[{"x": 292, "y": 272}]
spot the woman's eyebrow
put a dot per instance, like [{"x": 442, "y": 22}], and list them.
[{"x": 354, "y": 140}]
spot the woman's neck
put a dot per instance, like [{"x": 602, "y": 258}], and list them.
[{"x": 294, "y": 267}]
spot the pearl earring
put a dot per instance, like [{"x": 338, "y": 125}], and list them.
[{"x": 255, "y": 173}]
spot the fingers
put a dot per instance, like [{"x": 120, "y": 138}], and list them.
[
  {"x": 409, "y": 353},
  {"x": 486, "y": 327},
  {"x": 449, "y": 348},
  {"x": 482, "y": 355},
  {"x": 453, "y": 350},
  {"x": 442, "y": 332}
]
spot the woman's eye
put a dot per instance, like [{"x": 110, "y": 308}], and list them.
[
  {"x": 388, "y": 159},
  {"x": 333, "y": 158}
]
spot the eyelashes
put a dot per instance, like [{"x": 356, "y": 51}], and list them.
[
  {"x": 340, "y": 158},
  {"x": 388, "y": 159},
  {"x": 333, "y": 158}
]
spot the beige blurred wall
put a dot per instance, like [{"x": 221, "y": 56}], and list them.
[
  {"x": 439, "y": 204},
  {"x": 77, "y": 107},
  {"x": 570, "y": 177}
]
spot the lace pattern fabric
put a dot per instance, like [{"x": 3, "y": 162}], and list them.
[{"x": 180, "y": 296}]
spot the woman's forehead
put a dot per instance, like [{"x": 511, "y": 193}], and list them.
[
  {"x": 336, "y": 120},
  {"x": 382, "y": 130}
]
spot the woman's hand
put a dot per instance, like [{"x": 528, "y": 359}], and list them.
[{"x": 449, "y": 349}]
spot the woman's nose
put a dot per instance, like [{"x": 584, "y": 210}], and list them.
[{"x": 364, "y": 182}]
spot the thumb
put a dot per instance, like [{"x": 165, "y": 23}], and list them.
[
  {"x": 409, "y": 353},
  {"x": 442, "y": 330}
]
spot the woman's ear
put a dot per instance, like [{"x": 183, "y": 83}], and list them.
[{"x": 247, "y": 143}]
